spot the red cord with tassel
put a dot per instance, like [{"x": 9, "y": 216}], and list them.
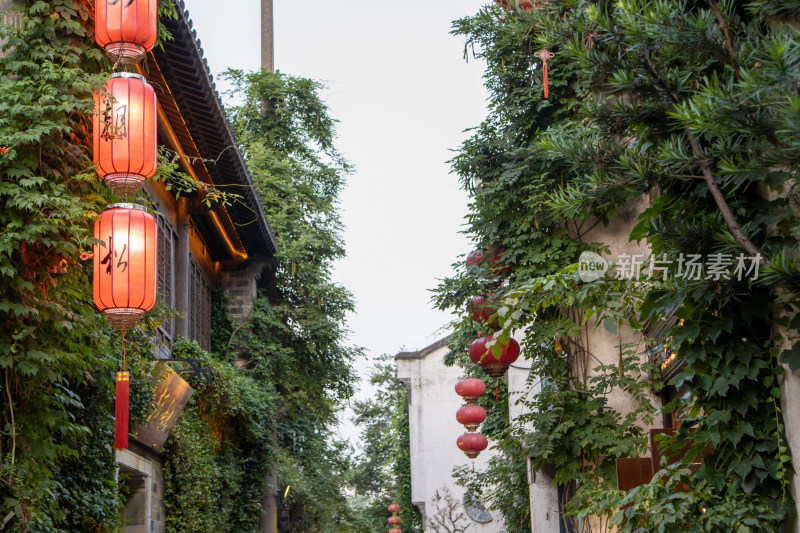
[
  {"x": 121, "y": 419},
  {"x": 544, "y": 54},
  {"x": 122, "y": 404}
]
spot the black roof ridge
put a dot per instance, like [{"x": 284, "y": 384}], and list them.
[{"x": 187, "y": 35}]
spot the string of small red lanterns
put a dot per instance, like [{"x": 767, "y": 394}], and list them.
[
  {"x": 482, "y": 308},
  {"x": 124, "y": 152},
  {"x": 395, "y": 520}
]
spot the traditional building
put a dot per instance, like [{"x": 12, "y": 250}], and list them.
[{"x": 199, "y": 247}]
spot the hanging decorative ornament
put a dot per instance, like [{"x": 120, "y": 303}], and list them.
[
  {"x": 125, "y": 264},
  {"x": 472, "y": 444},
  {"x": 471, "y": 416},
  {"x": 394, "y": 520},
  {"x": 470, "y": 389},
  {"x": 121, "y": 410},
  {"x": 492, "y": 260},
  {"x": 394, "y": 508},
  {"x": 482, "y": 307},
  {"x": 395, "y": 530},
  {"x": 126, "y": 29},
  {"x": 544, "y": 54},
  {"x": 125, "y": 137},
  {"x": 484, "y": 357},
  {"x": 474, "y": 258},
  {"x": 124, "y": 280}
]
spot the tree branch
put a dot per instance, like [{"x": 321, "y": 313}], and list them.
[{"x": 708, "y": 175}]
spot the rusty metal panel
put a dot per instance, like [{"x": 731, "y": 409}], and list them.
[
  {"x": 633, "y": 471},
  {"x": 171, "y": 395}
]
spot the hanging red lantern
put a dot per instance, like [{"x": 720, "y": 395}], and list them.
[
  {"x": 125, "y": 138},
  {"x": 471, "y": 416},
  {"x": 470, "y": 389},
  {"x": 125, "y": 264},
  {"x": 474, "y": 258},
  {"x": 472, "y": 444},
  {"x": 482, "y": 307},
  {"x": 126, "y": 29},
  {"x": 395, "y": 530},
  {"x": 394, "y": 508},
  {"x": 492, "y": 260},
  {"x": 394, "y": 520},
  {"x": 493, "y": 365}
]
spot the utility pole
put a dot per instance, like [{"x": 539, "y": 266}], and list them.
[
  {"x": 267, "y": 37},
  {"x": 269, "y": 520}
]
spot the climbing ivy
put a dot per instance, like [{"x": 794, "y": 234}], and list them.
[{"x": 691, "y": 107}]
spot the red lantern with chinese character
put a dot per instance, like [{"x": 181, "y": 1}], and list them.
[
  {"x": 472, "y": 444},
  {"x": 394, "y": 520},
  {"x": 471, "y": 416},
  {"x": 126, "y": 29},
  {"x": 125, "y": 264},
  {"x": 493, "y": 365},
  {"x": 125, "y": 137},
  {"x": 394, "y": 508},
  {"x": 470, "y": 389}
]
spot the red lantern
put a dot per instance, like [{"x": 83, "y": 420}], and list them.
[
  {"x": 482, "y": 307},
  {"x": 472, "y": 444},
  {"x": 470, "y": 389},
  {"x": 495, "y": 366},
  {"x": 395, "y": 530},
  {"x": 125, "y": 135},
  {"x": 394, "y": 508},
  {"x": 394, "y": 520},
  {"x": 126, "y": 29},
  {"x": 474, "y": 258},
  {"x": 471, "y": 416},
  {"x": 492, "y": 260},
  {"x": 125, "y": 264}
]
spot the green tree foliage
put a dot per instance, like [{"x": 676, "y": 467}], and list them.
[
  {"x": 220, "y": 451},
  {"x": 693, "y": 103},
  {"x": 295, "y": 342},
  {"x": 381, "y": 474}
]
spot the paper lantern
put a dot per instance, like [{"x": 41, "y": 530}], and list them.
[
  {"x": 126, "y": 29},
  {"x": 394, "y": 508},
  {"x": 493, "y": 365},
  {"x": 394, "y": 520},
  {"x": 125, "y": 137},
  {"x": 470, "y": 389},
  {"x": 124, "y": 276},
  {"x": 472, "y": 444},
  {"x": 471, "y": 416},
  {"x": 395, "y": 530}
]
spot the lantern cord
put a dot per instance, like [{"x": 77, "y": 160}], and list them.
[
  {"x": 473, "y": 467},
  {"x": 123, "y": 362},
  {"x": 496, "y": 392}
]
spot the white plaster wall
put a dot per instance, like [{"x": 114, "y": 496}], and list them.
[{"x": 434, "y": 431}]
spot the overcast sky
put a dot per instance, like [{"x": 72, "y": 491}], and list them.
[{"x": 403, "y": 94}]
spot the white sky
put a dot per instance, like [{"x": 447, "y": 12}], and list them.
[{"x": 403, "y": 94}]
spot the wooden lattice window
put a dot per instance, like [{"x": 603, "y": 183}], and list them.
[
  {"x": 166, "y": 282},
  {"x": 199, "y": 307}
]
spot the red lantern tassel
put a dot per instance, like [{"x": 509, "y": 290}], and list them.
[
  {"x": 544, "y": 55},
  {"x": 121, "y": 418}
]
